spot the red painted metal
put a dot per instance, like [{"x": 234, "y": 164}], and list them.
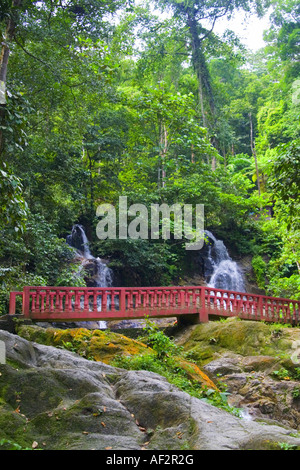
[
  {"x": 12, "y": 302},
  {"x": 89, "y": 304}
]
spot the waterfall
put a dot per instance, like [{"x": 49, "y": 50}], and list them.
[
  {"x": 100, "y": 275},
  {"x": 220, "y": 270},
  {"x": 78, "y": 240},
  {"x": 103, "y": 276}
]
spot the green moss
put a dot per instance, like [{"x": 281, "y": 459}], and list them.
[
  {"x": 14, "y": 427},
  {"x": 30, "y": 393},
  {"x": 91, "y": 344},
  {"x": 248, "y": 338}
]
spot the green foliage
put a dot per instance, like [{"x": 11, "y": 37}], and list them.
[
  {"x": 98, "y": 108},
  {"x": 287, "y": 287},
  {"x": 6, "y": 444},
  {"x": 259, "y": 268},
  {"x": 71, "y": 278},
  {"x": 14, "y": 278},
  {"x": 45, "y": 251},
  {"x": 286, "y": 446},
  {"x": 284, "y": 374},
  {"x": 159, "y": 341},
  {"x": 37, "y": 257},
  {"x": 13, "y": 208},
  {"x": 296, "y": 392},
  {"x": 142, "y": 262},
  {"x": 285, "y": 181}
]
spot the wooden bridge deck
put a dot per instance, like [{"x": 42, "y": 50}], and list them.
[{"x": 191, "y": 303}]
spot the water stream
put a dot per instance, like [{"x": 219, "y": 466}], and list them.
[
  {"x": 100, "y": 275},
  {"x": 223, "y": 273},
  {"x": 220, "y": 270}
]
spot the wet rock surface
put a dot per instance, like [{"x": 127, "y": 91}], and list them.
[
  {"x": 256, "y": 363},
  {"x": 55, "y": 399},
  {"x": 263, "y": 386}
]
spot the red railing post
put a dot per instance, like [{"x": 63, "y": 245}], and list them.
[
  {"x": 260, "y": 308},
  {"x": 12, "y": 302},
  {"x": 203, "y": 309},
  {"x": 26, "y": 302},
  {"x": 122, "y": 301}
]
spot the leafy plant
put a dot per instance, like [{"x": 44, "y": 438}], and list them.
[
  {"x": 69, "y": 277},
  {"x": 158, "y": 341},
  {"x": 296, "y": 392},
  {"x": 6, "y": 444},
  {"x": 259, "y": 268},
  {"x": 282, "y": 374},
  {"x": 13, "y": 208},
  {"x": 286, "y": 446}
]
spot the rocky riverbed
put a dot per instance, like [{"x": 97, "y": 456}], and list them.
[
  {"x": 258, "y": 363},
  {"x": 51, "y": 398}
]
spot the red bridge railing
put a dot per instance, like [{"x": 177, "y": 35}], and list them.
[{"x": 96, "y": 304}]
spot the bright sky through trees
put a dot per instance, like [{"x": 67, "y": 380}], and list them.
[{"x": 248, "y": 28}]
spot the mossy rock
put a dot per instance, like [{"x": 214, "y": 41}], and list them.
[
  {"x": 195, "y": 374},
  {"x": 57, "y": 400},
  {"x": 248, "y": 338},
  {"x": 103, "y": 346},
  {"x": 96, "y": 345}
]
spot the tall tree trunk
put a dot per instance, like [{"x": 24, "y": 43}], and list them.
[
  {"x": 205, "y": 92},
  {"x": 163, "y": 151},
  {"x": 4, "y": 56},
  {"x": 199, "y": 63},
  {"x": 253, "y": 150}
]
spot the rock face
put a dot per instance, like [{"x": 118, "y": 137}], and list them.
[
  {"x": 261, "y": 386},
  {"x": 257, "y": 362},
  {"x": 54, "y": 399}
]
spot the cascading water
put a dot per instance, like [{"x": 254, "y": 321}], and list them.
[
  {"x": 79, "y": 241},
  {"x": 220, "y": 270},
  {"x": 223, "y": 273},
  {"x": 100, "y": 275}
]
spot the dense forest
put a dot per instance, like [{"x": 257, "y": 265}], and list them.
[{"x": 102, "y": 98}]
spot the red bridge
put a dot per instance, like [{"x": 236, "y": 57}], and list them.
[{"x": 193, "y": 304}]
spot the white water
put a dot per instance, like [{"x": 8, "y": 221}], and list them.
[
  {"x": 244, "y": 414},
  {"x": 78, "y": 240},
  {"x": 103, "y": 276},
  {"x": 224, "y": 273}
]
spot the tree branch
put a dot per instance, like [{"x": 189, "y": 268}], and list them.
[{"x": 46, "y": 65}]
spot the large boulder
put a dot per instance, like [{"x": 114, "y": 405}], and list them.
[
  {"x": 54, "y": 399},
  {"x": 248, "y": 338}
]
